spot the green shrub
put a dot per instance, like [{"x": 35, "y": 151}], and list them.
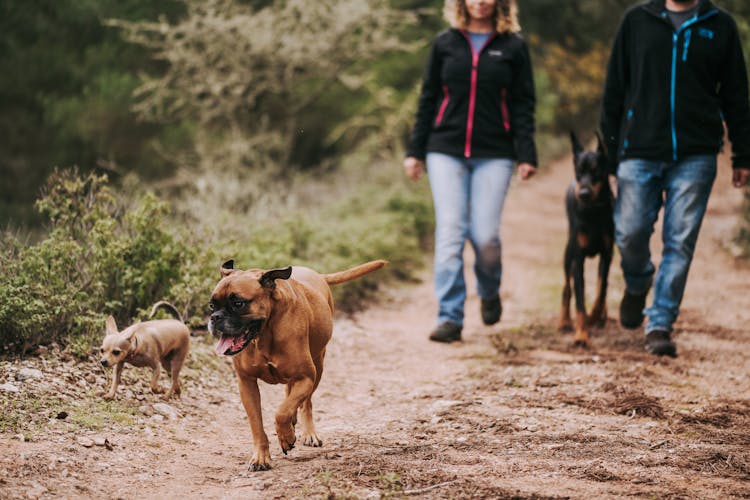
[
  {"x": 107, "y": 254},
  {"x": 99, "y": 258}
]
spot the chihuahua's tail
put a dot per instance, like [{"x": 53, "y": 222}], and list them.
[
  {"x": 169, "y": 307},
  {"x": 354, "y": 273}
]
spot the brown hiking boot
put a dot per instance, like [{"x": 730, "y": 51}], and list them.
[
  {"x": 446, "y": 332},
  {"x": 491, "y": 309}
]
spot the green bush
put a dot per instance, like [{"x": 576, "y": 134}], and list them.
[
  {"x": 99, "y": 258},
  {"x": 107, "y": 254}
]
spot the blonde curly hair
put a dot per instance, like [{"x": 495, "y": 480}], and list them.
[{"x": 505, "y": 15}]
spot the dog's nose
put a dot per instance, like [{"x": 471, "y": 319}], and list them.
[
  {"x": 103, "y": 362},
  {"x": 217, "y": 316},
  {"x": 585, "y": 194}
]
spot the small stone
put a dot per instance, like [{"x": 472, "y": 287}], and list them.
[
  {"x": 90, "y": 378},
  {"x": 29, "y": 373},
  {"x": 147, "y": 410},
  {"x": 85, "y": 442},
  {"x": 157, "y": 418},
  {"x": 167, "y": 411},
  {"x": 8, "y": 388}
]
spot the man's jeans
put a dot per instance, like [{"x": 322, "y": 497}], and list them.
[
  {"x": 643, "y": 187},
  {"x": 468, "y": 196}
]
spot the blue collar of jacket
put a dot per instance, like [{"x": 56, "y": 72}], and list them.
[{"x": 656, "y": 7}]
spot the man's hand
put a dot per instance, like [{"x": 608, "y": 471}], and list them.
[
  {"x": 526, "y": 171},
  {"x": 414, "y": 168},
  {"x": 740, "y": 177}
]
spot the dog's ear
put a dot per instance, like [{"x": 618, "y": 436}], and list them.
[
  {"x": 602, "y": 146},
  {"x": 111, "y": 326},
  {"x": 268, "y": 280},
  {"x": 227, "y": 268},
  {"x": 577, "y": 148},
  {"x": 130, "y": 332}
]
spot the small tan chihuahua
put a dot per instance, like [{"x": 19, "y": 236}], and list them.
[{"x": 154, "y": 343}]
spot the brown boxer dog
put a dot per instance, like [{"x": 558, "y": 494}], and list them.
[{"x": 276, "y": 324}]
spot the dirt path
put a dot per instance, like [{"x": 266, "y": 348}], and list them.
[{"x": 511, "y": 412}]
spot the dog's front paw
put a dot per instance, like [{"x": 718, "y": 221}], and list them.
[
  {"x": 581, "y": 340},
  {"x": 312, "y": 440},
  {"x": 286, "y": 437},
  {"x": 108, "y": 395},
  {"x": 261, "y": 460},
  {"x": 157, "y": 389},
  {"x": 565, "y": 325}
]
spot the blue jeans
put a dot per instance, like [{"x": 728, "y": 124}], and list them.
[
  {"x": 683, "y": 189},
  {"x": 468, "y": 195}
]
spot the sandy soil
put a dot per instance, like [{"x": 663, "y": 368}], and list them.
[{"x": 511, "y": 412}]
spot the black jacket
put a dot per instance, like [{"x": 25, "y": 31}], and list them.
[
  {"x": 668, "y": 92},
  {"x": 476, "y": 108}
]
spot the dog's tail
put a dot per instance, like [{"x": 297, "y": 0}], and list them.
[
  {"x": 169, "y": 307},
  {"x": 354, "y": 273}
]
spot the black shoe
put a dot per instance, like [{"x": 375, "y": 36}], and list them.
[
  {"x": 631, "y": 309},
  {"x": 659, "y": 342},
  {"x": 446, "y": 332},
  {"x": 492, "y": 309}
]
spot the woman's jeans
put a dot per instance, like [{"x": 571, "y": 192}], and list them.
[
  {"x": 643, "y": 187},
  {"x": 468, "y": 195}
]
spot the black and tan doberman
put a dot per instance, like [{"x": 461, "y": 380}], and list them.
[{"x": 589, "y": 204}]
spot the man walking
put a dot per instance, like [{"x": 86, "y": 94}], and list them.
[{"x": 675, "y": 76}]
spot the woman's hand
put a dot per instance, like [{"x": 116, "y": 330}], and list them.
[
  {"x": 526, "y": 171},
  {"x": 414, "y": 168}
]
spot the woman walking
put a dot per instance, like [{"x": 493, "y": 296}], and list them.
[{"x": 474, "y": 119}]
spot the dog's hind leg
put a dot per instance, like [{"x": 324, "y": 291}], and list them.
[
  {"x": 565, "y": 324},
  {"x": 309, "y": 435},
  {"x": 173, "y": 366}
]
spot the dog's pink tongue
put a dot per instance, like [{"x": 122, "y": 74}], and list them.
[{"x": 224, "y": 343}]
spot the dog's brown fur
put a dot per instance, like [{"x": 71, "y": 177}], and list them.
[
  {"x": 155, "y": 343},
  {"x": 296, "y": 310}
]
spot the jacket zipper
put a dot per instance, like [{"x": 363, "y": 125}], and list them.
[
  {"x": 672, "y": 103},
  {"x": 504, "y": 109},
  {"x": 473, "y": 89},
  {"x": 443, "y": 105}
]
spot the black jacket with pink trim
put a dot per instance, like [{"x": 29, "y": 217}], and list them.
[{"x": 476, "y": 106}]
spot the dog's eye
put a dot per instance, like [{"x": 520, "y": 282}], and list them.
[
  {"x": 238, "y": 304},
  {"x": 211, "y": 306},
  {"x": 116, "y": 352}
]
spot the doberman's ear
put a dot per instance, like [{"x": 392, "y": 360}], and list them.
[
  {"x": 268, "y": 280},
  {"x": 577, "y": 148},
  {"x": 602, "y": 146},
  {"x": 227, "y": 268}
]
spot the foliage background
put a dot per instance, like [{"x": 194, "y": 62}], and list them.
[{"x": 270, "y": 131}]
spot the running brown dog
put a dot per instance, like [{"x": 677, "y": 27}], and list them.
[{"x": 277, "y": 324}]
